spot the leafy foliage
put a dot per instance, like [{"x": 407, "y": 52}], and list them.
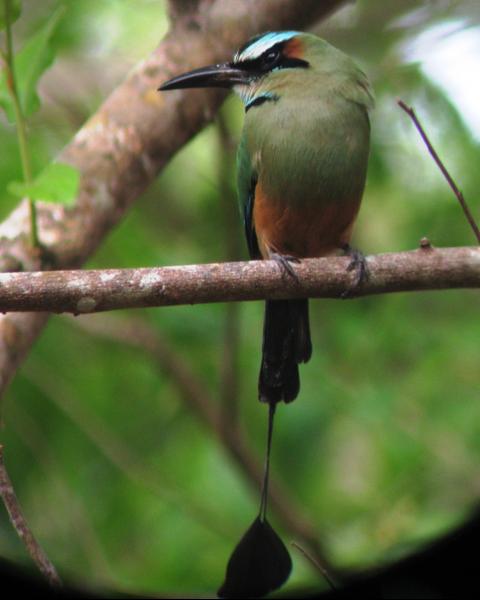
[
  {"x": 18, "y": 96},
  {"x": 30, "y": 64},
  {"x": 58, "y": 182}
]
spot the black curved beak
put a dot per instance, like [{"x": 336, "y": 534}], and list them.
[{"x": 225, "y": 76}]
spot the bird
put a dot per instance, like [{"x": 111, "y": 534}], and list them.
[{"x": 301, "y": 170}]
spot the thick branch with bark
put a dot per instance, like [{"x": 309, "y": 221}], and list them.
[
  {"x": 123, "y": 147},
  {"x": 80, "y": 292}
]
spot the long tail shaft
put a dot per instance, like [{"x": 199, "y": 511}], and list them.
[{"x": 266, "y": 473}]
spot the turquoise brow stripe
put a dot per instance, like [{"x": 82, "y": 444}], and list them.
[{"x": 265, "y": 42}]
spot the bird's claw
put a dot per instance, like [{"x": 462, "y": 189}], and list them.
[
  {"x": 284, "y": 262},
  {"x": 358, "y": 263}
]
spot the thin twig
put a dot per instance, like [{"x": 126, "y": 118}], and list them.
[
  {"x": 80, "y": 526},
  {"x": 316, "y": 564},
  {"x": 20, "y": 524},
  {"x": 470, "y": 218},
  {"x": 82, "y": 292}
]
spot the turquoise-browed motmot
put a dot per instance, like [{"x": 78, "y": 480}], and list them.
[{"x": 302, "y": 164}]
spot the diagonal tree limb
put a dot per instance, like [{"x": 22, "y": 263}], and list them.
[
  {"x": 124, "y": 146},
  {"x": 82, "y": 292}
]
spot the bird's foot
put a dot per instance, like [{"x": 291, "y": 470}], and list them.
[
  {"x": 284, "y": 262},
  {"x": 358, "y": 263}
]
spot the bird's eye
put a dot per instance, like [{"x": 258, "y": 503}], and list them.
[{"x": 271, "y": 57}]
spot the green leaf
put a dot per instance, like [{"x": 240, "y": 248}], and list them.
[
  {"x": 58, "y": 182},
  {"x": 33, "y": 60},
  {"x": 15, "y": 10},
  {"x": 30, "y": 64}
]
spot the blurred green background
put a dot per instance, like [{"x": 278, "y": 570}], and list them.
[{"x": 123, "y": 485}]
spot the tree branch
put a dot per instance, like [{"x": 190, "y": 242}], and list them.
[
  {"x": 433, "y": 153},
  {"x": 20, "y": 524},
  {"x": 81, "y": 292},
  {"x": 122, "y": 148}
]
